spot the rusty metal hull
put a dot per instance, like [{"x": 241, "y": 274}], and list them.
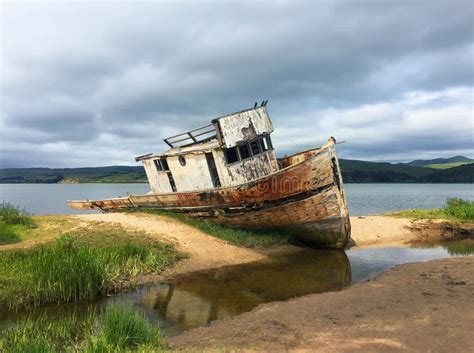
[{"x": 304, "y": 198}]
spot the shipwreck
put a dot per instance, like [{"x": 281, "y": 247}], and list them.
[{"x": 228, "y": 172}]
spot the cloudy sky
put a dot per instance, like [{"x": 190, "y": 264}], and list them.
[{"x": 98, "y": 83}]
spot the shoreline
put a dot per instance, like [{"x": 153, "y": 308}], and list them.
[
  {"x": 205, "y": 252},
  {"x": 397, "y": 310},
  {"x": 426, "y": 306}
]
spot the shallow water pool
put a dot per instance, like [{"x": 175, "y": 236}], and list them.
[{"x": 198, "y": 298}]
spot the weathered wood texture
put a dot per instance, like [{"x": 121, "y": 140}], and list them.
[
  {"x": 306, "y": 199},
  {"x": 244, "y": 126}
]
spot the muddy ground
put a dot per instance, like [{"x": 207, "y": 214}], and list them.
[{"x": 420, "y": 307}]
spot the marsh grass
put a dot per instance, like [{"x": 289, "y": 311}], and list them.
[
  {"x": 117, "y": 329},
  {"x": 8, "y": 234},
  {"x": 45, "y": 334},
  {"x": 81, "y": 265},
  {"x": 458, "y": 210},
  {"x": 240, "y": 237},
  {"x": 124, "y": 329},
  {"x": 10, "y": 214},
  {"x": 12, "y": 221}
]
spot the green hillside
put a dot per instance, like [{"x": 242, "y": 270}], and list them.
[
  {"x": 446, "y": 165},
  {"x": 461, "y": 174},
  {"x": 355, "y": 171},
  {"x": 436, "y": 161},
  {"x": 114, "y": 174}
]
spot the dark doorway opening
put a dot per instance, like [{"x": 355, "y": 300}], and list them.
[{"x": 213, "y": 170}]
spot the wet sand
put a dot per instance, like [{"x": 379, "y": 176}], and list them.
[{"x": 417, "y": 307}]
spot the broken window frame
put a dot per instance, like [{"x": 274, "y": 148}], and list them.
[
  {"x": 164, "y": 164},
  {"x": 269, "y": 141},
  {"x": 249, "y": 152},
  {"x": 263, "y": 142},
  {"x": 158, "y": 166},
  {"x": 256, "y": 143},
  {"x": 237, "y": 155},
  {"x": 161, "y": 164}
]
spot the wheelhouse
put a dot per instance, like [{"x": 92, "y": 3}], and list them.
[{"x": 232, "y": 150}]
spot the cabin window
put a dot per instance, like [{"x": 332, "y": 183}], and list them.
[
  {"x": 264, "y": 144},
  {"x": 182, "y": 161},
  {"x": 268, "y": 141},
  {"x": 254, "y": 146},
  {"x": 247, "y": 150},
  {"x": 164, "y": 164},
  {"x": 231, "y": 155},
  {"x": 158, "y": 165},
  {"x": 244, "y": 151}
]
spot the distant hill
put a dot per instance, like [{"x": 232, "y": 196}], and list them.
[
  {"x": 460, "y": 174},
  {"x": 114, "y": 174},
  {"x": 433, "y": 163},
  {"x": 353, "y": 171}
]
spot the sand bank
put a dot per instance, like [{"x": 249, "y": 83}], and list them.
[{"x": 416, "y": 307}]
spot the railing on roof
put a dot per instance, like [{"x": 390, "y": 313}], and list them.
[{"x": 201, "y": 134}]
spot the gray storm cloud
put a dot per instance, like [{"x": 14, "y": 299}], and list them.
[{"x": 86, "y": 84}]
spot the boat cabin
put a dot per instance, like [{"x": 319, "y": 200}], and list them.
[{"x": 231, "y": 150}]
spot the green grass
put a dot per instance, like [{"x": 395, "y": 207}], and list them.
[
  {"x": 13, "y": 220},
  {"x": 445, "y": 165},
  {"x": 455, "y": 210},
  {"x": 78, "y": 266},
  {"x": 239, "y": 237},
  {"x": 460, "y": 209},
  {"x": 8, "y": 234},
  {"x": 123, "y": 329},
  {"x": 115, "y": 330}
]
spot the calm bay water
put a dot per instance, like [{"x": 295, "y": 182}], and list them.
[{"x": 363, "y": 199}]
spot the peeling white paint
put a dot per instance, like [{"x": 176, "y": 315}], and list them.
[
  {"x": 159, "y": 182},
  {"x": 194, "y": 175},
  {"x": 244, "y": 126}
]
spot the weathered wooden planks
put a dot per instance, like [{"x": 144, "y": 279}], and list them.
[{"x": 305, "y": 198}]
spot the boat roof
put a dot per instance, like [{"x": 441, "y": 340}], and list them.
[
  {"x": 196, "y": 140},
  {"x": 179, "y": 150},
  {"x": 202, "y": 134}
]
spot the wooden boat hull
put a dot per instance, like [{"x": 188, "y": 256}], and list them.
[{"x": 305, "y": 198}]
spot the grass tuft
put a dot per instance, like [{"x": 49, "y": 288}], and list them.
[
  {"x": 240, "y": 237},
  {"x": 455, "y": 210},
  {"x": 459, "y": 209},
  {"x": 10, "y": 214},
  {"x": 8, "y": 234},
  {"x": 77, "y": 268},
  {"x": 12, "y": 220},
  {"x": 117, "y": 329},
  {"x": 124, "y": 329}
]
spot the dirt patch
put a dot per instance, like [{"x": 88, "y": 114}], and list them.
[
  {"x": 204, "y": 251},
  {"x": 416, "y": 308},
  {"x": 427, "y": 232}
]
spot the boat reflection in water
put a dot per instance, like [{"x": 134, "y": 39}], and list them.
[{"x": 198, "y": 298}]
